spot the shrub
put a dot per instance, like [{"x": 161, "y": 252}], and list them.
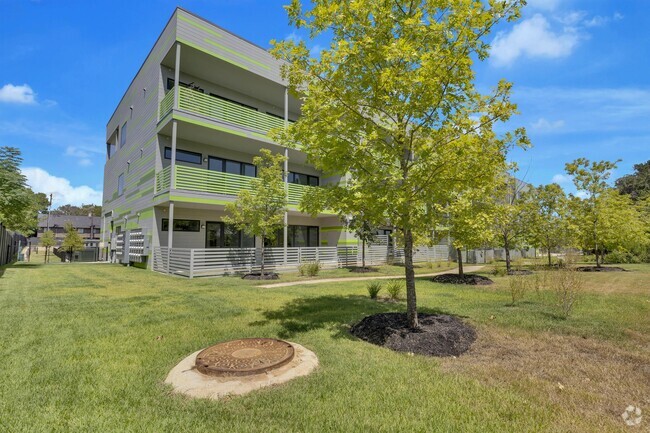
[
  {"x": 374, "y": 287},
  {"x": 518, "y": 287},
  {"x": 567, "y": 284},
  {"x": 624, "y": 257},
  {"x": 499, "y": 271},
  {"x": 310, "y": 269},
  {"x": 394, "y": 289}
]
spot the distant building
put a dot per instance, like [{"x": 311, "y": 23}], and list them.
[{"x": 87, "y": 227}]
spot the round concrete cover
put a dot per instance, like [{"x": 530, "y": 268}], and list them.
[{"x": 186, "y": 379}]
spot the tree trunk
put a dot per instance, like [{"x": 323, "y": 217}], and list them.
[
  {"x": 363, "y": 255},
  {"x": 460, "y": 262},
  {"x": 411, "y": 301},
  {"x": 597, "y": 261},
  {"x": 506, "y": 247},
  {"x": 549, "y": 258}
]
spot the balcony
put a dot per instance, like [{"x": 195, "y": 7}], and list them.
[
  {"x": 215, "y": 182},
  {"x": 195, "y": 102}
]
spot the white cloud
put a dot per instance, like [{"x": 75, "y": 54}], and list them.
[
  {"x": 545, "y": 125},
  {"x": 17, "y": 94},
  {"x": 561, "y": 178},
  {"x": 62, "y": 190},
  {"x": 83, "y": 156},
  {"x": 533, "y": 38},
  {"x": 598, "y": 21}
]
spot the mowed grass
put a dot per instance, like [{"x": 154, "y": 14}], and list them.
[{"x": 87, "y": 348}]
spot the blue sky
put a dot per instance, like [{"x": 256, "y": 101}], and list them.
[{"x": 579, "y": 68}]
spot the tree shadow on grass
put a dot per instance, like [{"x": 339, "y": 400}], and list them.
[{"x": 333, "y": 313}]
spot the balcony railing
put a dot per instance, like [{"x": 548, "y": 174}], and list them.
[
  {"x": 215, "y": 182},
  {"x": 212, "y": 107}
]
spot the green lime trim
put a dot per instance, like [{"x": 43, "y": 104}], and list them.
[
  {"x": 208, "y": 125},
  {"x": 199, "y": 26},
  {"x": 182, "y": 199},
  {"x": 240, "y": 55},
  {"x": 212, "y": 53},
  {"x": 348, "y": 242},
  {"x": 324, "y": 242},
  {"x": 332, "y": 229}
]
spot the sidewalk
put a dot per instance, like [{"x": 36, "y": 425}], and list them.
[{"x": 386, "y": 277}]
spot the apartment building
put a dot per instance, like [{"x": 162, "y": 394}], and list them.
[{"x": 181, "y": 142}]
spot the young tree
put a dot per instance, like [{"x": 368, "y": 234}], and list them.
[
  {"x": 260, "y": 211},
  {"x": 470, "y": 222},
  {"x": 392, "y": 102},
  {"x": 545, "y": 210},
  {"x": 591, "y": 179},
  {"x": 47, "y": 241},
  {"x": 18, "y": 204},
  {"x": 510, "y": 222},
  {"x": 72, "y": 241}
]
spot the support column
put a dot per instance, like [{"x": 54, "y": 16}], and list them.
[
  {"x": 170, "y": 234},
  {"x": 286, "y": 175},
  {"x": 177, "y": 74},
  {"x": 172, "y": 175}
]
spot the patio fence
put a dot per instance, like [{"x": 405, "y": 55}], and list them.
[{"x": 208, "y": 262}]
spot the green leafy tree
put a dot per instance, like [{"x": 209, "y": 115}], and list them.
[
  {"x": 18, "y": 204},
  {"x": 470, "y": 222},
  {"x": 545, "y": 209},
  {"x": 48, "y": 240},
  {"x": 83, "y": 210},
  {"x": 392, "y": 102},
  {"x": 509, "y": 216},
  {"x": 590, "y": 178},
  {"x": 72, "y": 241},
  {"x": 637, "y": 184},
  {"x": 260, "y": 211}
]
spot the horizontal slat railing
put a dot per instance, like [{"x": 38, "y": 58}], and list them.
[
  {"x": 163, "y": 178},
  {"x": 216, "y": 182},
  {"x": 296, "y": 192},
  {"x": 215, "y": 108},
  {"x": 166, "y": 104}
]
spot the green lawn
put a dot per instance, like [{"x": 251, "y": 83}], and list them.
[{"x": 87, "y": 347}]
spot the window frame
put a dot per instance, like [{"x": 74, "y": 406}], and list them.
[
  {"x": 309, "y": 178},
  {"x": 224, "y": 161},
  {"x": 123, "y": 131},
  {"x": 164, "y": 225},
  {"x": 120, "y": 185},
  {"x": 188, "y": 152}
]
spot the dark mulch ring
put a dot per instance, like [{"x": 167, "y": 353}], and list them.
[
  {"x": 600, "y": 269},
  {"x": 360, "y": 269},
  {"x": 520, "y": 272},
  {"x": 438, "y": 335},
  {"x": 470, "y": 279},
  {"x": 259, "y": 276}
]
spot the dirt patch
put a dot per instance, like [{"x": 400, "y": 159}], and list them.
[
  {"x": 520, "y": 272},
  {"x": 469, "y": 279},
  {"x": 438, "y": 335},
  {"x": 589, "y": 381},
  {"x": 362, "y": 270},
  {"x": 600, "y": 269},
  {"x": 259, "y": 276}
]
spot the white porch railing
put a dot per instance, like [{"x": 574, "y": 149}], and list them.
[{"x": 204, "y": 262}]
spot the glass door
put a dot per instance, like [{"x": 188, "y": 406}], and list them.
[{"x": 213, "y": 234}]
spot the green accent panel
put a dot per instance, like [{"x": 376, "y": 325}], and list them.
[
  {"x": 199, "y": 26},
  {"x": 146, "y": 214},
  {"x": 348, "y": 242},
  {"x": 208, "y": 125},
  {"x": 166, "y": 104},
  {"x": 324, "y": 243},
  {"x": 332, "y": 229},
  {"x": 182, "y": 199},
  {"x": 149, "y": 174},
  {"x": 240, "y": 55},
  {"x": 209, "y": 106},
  {"x": 212, "y": 53}
]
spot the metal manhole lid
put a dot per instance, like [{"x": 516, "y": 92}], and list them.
[{"x": 244, "y": 357}]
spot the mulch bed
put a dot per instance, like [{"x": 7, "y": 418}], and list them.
[
  {"x": 259, "y": 276},
  {"x": 470, "y": 279},
  {"x": 601, "y": 269},
  {"x": 438, "y": 335},
  {"x": 363, "y": 270},
  {"x": 520, "y": 272}
]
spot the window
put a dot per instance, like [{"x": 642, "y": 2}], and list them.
[
  {"x": 182, "y": 225},
  {"x": 110, "y": 150},
  {"x": 123, "y": 135},
  {"x": 170, "y": 85},
  {"x": 232, "y": 167},
  {"x": 120, "y": 184},
  {"x": 303, "y": 179},
  {"x": 184, "y": 156},
  {"x": 297, "y": 236},
  {"x": 223, "y": 98},
  {"x": 220, "y": 235}
]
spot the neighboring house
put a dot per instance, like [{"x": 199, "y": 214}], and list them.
[
  {"x": 88, "y": 228},
  {"x": 180, "y": 145}
]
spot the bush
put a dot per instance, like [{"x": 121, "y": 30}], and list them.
[
  {"x": 374, "y": 287},
  {"x": 310, "y": 269},
  {"x": 518, "y": 287},
  {"x": 499, "y": 271},
  {"x": 394, "y": 289},
  {"x": 622, "y": 256},
  {"x": 567, "y": 284}
]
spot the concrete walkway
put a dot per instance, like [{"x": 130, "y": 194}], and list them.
[{"x": 385, "y": 277}]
